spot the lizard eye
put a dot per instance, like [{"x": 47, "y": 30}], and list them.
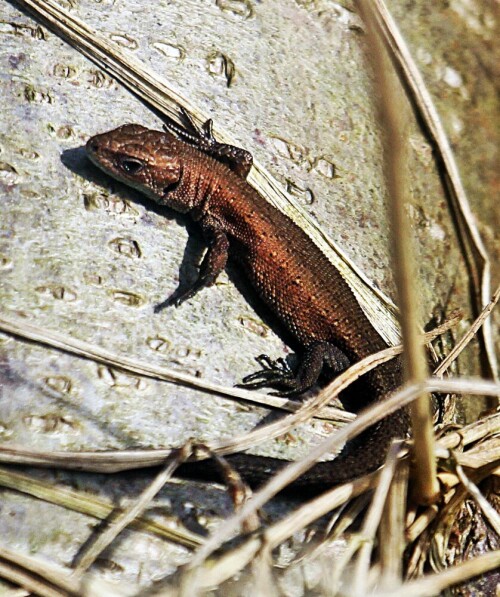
[{"x": 131, "y": 165}]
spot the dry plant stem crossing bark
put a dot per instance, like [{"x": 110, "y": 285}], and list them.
[
  {"x": 392, "y": 529},
  {"x": 368, "y": 532},
  {"x": 471, "y": 332},
  {"x": 476, "y": 256},
  {"x": 122, "y": 460},
  {"x": 86, "y": 350},
  {"x": 395, "y": 118},
  {"x": 90, "y": 505},
  {"x": 47, "y": 580},
  {"x": 124, "y": 518},
  {"x": 15, "y": 573},
  {"x": 489, "y": 512}
]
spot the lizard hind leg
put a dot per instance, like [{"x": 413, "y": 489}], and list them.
[{"x": 279, "y": 375}]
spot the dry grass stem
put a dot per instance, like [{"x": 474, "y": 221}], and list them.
[
  {"x": 88, "y": 504},
  {"x": 305, "y": 412},
  {"x": 121, "y": 460},
  {"x": 395, "y": 117},
  {"x": 417, "y": 528},
  {"x": 22, "y": 578},
  {"x": 472, "y": 433},
  {"x": 48, "y": 580},
  {"x": 489, "y": 512},
  {"x": 392, "y": 529},
  {"x": 15, "y": 593},
  {"x": 471, "y": 332},
  {"x": 371, "y": 523},
  {"x": 127, "y": 516},
  {"x": 477, "y": 256},
  {"x": 434, "y": 584},
  {"x": 22, "y": 329},
  {"x": 39, "y": 577}
]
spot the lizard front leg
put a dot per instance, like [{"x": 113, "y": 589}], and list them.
[{"x": 214, "y": 261}]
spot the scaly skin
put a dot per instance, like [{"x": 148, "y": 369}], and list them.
[{"x": 194, "y": 174}]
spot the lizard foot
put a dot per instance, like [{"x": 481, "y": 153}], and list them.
[{"x": 274, "y": 372}]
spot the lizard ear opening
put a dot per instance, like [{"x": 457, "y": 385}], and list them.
[
  {"x": 171, "y": 187},
  {"x": 171, "y": 179}
]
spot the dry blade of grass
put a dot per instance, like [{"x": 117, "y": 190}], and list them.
[
  {"x": 392, "y": 529},
  {"x": 471, "y": 332},
  {"x": 489, "y": 513},
  {"x": 126, "y": 517},
  {"x": 395, "y": 116},
  {"x": 15, "y": 592},
  {"x": 434, "y": 584},
  {"x": 476, "y": 255},
  {"x": 28, "y": 331},
  {"x": 121, "y": 460},
  {"x": 472, "y": 433},
  {"x": 48, "y": 580},
  {"x": 371, "y": 523},
  {"x": 102, "y": 462},
  {"x": 92, "y": 506},
  {"x": 360, "y": 545},
  {"x": 16, "y": 575},
  {"x": 99, "y": 461}
]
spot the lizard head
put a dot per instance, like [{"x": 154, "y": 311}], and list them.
[{"x": 142, "y": 158}]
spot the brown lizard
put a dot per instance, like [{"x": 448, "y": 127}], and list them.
[{"x": 187, "y": 170}]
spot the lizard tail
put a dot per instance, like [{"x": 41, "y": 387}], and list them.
[{"x": 360, "y": 456}]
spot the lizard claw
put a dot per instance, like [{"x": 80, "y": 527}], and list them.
[{"x": 175, "y": 300}]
